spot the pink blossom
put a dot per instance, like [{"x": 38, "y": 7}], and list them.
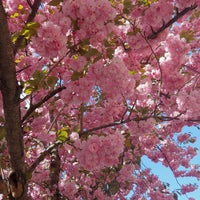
[
  {"x": 50, "y": 45},
  {"x": 183, "y": 137},
  {"x": 188, "y": 188}
]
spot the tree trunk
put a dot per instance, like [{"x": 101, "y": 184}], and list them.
[
  {"x": 54, "y": 168},
  {"x": 11, "y": 105},
  {"x": 55, "y": 174}
]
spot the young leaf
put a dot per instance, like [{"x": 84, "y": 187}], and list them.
[
  {"x": 55, "y": 2},
  {"x": 128, "y": 5},
  {"x": 62, "y": 134}
]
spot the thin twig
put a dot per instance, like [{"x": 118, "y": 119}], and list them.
[
  {"x": 137, "y": 119},
  {"x": 192, "y": 69},
  {"x": 168, "y": 162},
  {"x": 42, "y": 156},
  {"x": 37, "y": 105},
  {"x": 54, "y": 120},
  {"x": 170, "y": 22},
  {"x": 20, "y": 70},
  {"x": 157, "y": 60},
  {"x": 117, "y": 123}
]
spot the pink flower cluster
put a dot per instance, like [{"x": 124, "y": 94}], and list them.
[
  {"x": 92, "y": 18},
  {"x": 47, "y": 41},
  {"x": 188, "y": 188},
  {"x": 100, "y": 151},
  {"x": 135, "y": 91}
]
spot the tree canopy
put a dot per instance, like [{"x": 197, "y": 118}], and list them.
[{"x": 89, "y": 87}]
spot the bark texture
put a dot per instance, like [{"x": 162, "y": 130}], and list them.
[
  {"x": 55, "y": 174},
  {"x": 11, "y": 103}
]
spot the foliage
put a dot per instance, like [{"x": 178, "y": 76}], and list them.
[{"x": 104, "y": 83}]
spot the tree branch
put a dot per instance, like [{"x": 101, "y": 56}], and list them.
[
  {"x": 37, "y": 105},
  {"x": 42, "y": 156},
  {"x": 117, "y": 123},
  {"x": 137, "y": 119},
  {"x": 34, "y": 10},
  {"x": 169, "y": 23}
]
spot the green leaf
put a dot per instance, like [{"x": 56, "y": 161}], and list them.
[
  {"x": 84, "y": 43},
  {"x": 110, "y": 52},
  {"x": 28, "y": 90},
  {"x": 92, "y": 52},
  {"x": 63, "y": 134},
  {"x": 75, "y": 57},
  {"x": 15, "y": 15},
  {"x": 144, "y": 110},
  {"x": 20, "y": 7},
  {"x": 55, "y": 2},
  {"x": 32, "y": 25},
  {"x": 38, "y": 75},
  {"x": 26, "y": 33},
  {"x": 30, "y": 30},
  {"x": 128, "y": 5},
  {"x": 132, "y": 72},
  {"x": 128, "y": 143},
  {"x": 114, "y": 187},
  {"x": 146, "y": 2},
  {"x": 15, "y": 36},
  {"x": 134, "y": 32},
  {"x": 51, "y": 81},
  {"x": 188, "y": 35},
  {"x": 195, "y": 15},
  {"x": 76, "y": 75},
  {"x": 2, "y": 132}
]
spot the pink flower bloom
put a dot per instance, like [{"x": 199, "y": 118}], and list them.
[{"x": 188, "y": 188}]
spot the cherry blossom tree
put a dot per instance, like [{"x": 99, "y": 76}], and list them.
[{"x": 88, "y": 87}]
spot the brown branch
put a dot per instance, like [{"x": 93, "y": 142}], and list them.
[
  {"x": 170, "y": 22},
  {"x": 42, "y": 156},
  {"x": 166, "y": 119},
  {"x": 34, "y": 9},
  {"x": 117, "y": 123},
  {"x": 192, "y": 69},
  {"x": 20, "y": 70},
  {"x": 137, "y": 119},
  {"x": 158, "y": 63},
  {"x": 45, "y": 99},
  {"x": 29, "y": 3}
]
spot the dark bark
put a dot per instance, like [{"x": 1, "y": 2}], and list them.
[
  {"x": 54, "y": 166},
  {"x": 11, "y": 102},
  {"x": 55, "y": 174}
]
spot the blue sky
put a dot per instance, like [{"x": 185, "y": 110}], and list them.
[{"x": 166, "y": 175}]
